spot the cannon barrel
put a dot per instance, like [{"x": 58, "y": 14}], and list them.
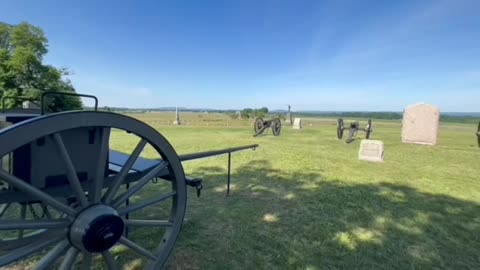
[{"x": 206, "y": 154}]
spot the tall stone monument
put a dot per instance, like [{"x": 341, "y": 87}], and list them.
[
  {"x": 289, "y": 118},
  {"x": 177, "y": 117},
  {"x": 420, "y": 124}
]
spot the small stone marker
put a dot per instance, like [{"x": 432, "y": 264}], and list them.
[
  {"x": 371, "y": 150},
  {"x": 297, "y": 124},
  {"x": 420, "y": 124}
]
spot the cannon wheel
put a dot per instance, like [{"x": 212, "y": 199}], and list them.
[
  {"x": 276, "y": 126},
  {"x": 258, "y": 125},
  {"x": 478, "y": 134},
  {"x": 369, "y": 129},
  {"x": 340, "y": 128},
  {"x": 97, "y": 218}
]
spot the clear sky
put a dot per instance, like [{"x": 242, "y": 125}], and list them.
[{"x": 314, "y": 55}]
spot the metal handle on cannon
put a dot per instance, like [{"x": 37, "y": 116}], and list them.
[{"x": 44, "y": 94}]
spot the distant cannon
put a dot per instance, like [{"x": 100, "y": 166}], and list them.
[
  {"x": 353, "y": 130},
  {"x": 261, "y": 125}
]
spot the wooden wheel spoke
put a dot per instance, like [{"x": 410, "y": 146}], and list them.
[
  {"x": 142, "y": 205},
  {"x": 36, "y": 193},
  {"x": 96, "y": 186},
  {"x": 46, "y": 262},
  {"x": 28, "y": 250},
  {"x": 4, "y": 208},
  {"x": 120, "y": 177},
  {"x": 139, "y": 184},
  {"x": 110, "y": 261},
  {"x": 71, "y": 172},
  {"x": 147, "y": 223},
  {"x": 87, "y": 261},
  {"x": 69, "y": 259},
  {"x": 138, "y": 249},
  {"x": 23, "y": 216},
  {"x": 33, "y": 224}
]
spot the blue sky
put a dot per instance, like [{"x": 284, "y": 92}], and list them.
[{"x": 314, "y": 55}]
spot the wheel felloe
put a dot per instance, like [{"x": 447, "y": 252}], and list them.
[
  {"x": 277, "y": 126},
  {"x": 258, "y": 125},
  {"x": 340, "y": 128}
]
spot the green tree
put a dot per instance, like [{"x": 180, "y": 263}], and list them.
[
  {"x": 246, "y": 113},
  {"x": 22, "y": 73},
  {"x": 263, "y": 110}
]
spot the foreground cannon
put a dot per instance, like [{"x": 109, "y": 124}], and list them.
[
  {"x": 69, "y": 200},
  {"x": 261, "y": 125},
  {"x": 353, "y": 130}
]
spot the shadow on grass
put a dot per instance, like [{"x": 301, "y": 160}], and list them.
[{"x": 274, "y": 220}]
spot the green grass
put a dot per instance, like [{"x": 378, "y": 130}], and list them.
[{"x": 303, "y": 200}]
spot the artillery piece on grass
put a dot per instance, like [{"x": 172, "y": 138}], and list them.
[
  {"x": 353, "y": 130},
  {"x": 261, "y": 125},
  {"x": 72, "y": 202}
]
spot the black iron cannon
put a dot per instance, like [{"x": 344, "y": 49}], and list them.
[
  {"x": 353, "y": 129},
  {"x": 69, "y": 199},
  {"x": 261, "y": 125}
]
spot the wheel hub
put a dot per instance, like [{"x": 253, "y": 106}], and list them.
[{"x": 96, "y": 229}]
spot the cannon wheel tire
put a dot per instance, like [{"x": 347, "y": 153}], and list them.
[
  {"x": 276, "y": 126},
  {"x": 258, "y": 125},
  {"x": 340, "y": 128}
]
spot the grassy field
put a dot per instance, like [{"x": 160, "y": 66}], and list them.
[{"x": 303, "y": 200}]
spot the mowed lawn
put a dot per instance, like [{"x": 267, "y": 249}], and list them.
[{"x": 303, "y": 200}]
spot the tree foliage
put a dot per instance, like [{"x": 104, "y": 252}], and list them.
[
  {"x": 251, "y": 113},
  {"x": 22, "y": 73}
]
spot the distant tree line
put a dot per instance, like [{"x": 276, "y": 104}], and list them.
[
  {"x": 459, "y": 119},
  {"x": 386, "y": 116},
  {"x": 375, "y": 115}
]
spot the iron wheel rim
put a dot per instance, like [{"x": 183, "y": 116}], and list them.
[
  {"x": 258, "y": 125},
  {"x": 277, "y": 126},
  {"x": 340, "y": 128}
]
